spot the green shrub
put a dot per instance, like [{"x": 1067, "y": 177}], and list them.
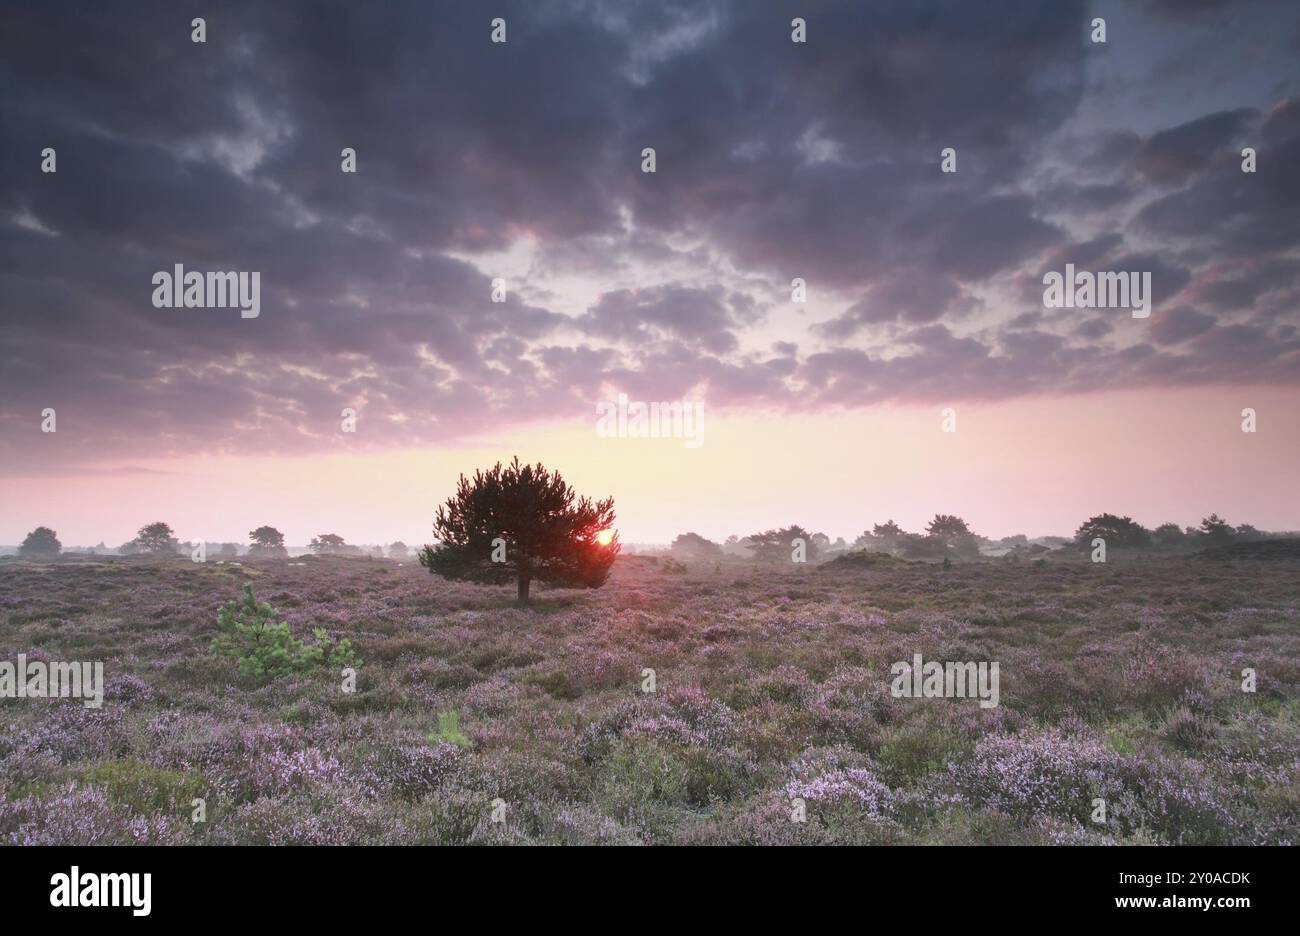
[
  {"x": 637, "y": 774},
  {"x": 909, "y": 752},
  {"x": 263, "y": 646},
  {"x": 145, "y": 789},
  {"x": 449, "y": 730}
]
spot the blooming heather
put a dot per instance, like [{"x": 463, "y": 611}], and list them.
[{"x": 771, "y": 686}]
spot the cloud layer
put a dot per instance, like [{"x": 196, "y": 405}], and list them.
[{"x": 522, "y": 161}]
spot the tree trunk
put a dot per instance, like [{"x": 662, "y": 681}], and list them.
[{"x": 523, "y": 589}]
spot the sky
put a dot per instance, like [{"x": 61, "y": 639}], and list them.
[{"x": 521, "y": 162}]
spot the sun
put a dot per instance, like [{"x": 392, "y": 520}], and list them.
[{"x": 605, "y": 537}]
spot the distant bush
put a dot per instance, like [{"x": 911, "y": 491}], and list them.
[
  {"x": 263, "y": 646},
  {"x": 1118, "y": 532},
  {"x": 860, "y": 558},
  {"x": 156, "y": 539},
  {"x": 331, "y": 544},
  {"x": 778, "y": 545},
  {"x": 694, "y": 546},
  {"x": 1216, "y": 530},
  {"x": 267, "y": 541},
  {"x": 42, "y": 541},
  {"x": 915, "y": 546},
  {"x": 1261, "y": 549},
  {"x": 1169, "y": 534}
]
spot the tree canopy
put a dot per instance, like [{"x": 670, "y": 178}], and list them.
[
  {"x": 42, "y": 541},
  {"x": 522, "y": 523},
  {"x": 1122, "y": 532},
  {"x": 267, "y": 541},
  {"x": 779, "y": 545},
  {"x": 327, "y": 543},
  {"x": 1216, "y": 529},
  {"x": 947, "y": 527},
  {"x": 156, "y": 539}
]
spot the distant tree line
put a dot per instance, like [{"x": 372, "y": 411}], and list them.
[
  {"x": 949, "y": 536},
  {"x": 1127, "y": 533},
  {"x": 946, "y": 536},
  {"x": 159, "y": 541}
]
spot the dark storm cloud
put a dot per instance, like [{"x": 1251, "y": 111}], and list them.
[
  {"x": 1170, "y": 156},
  {"x": 884, "y": 91},
  {"x": 705, "y": 316},
  {"x": 1088, "y": 253},
  {"x": 1181, "y": 8},
  {"x": 1179, "y": 324},
  {"x": 1107, "y": 153},
  {"x": 775, "y": 161},
  {"x": 1092, "y": 329},
  {"x": 907, "y": 295},
  {"x": 1085, "y": 200},
  {"x": 1236, "y": 212}
]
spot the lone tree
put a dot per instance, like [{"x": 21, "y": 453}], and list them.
[
  {"x": 156, "y": 539},
  {"x": 42, "y": 541},
  {"x": 522, "y": 522},
  {"x": 398, "y": 550}
]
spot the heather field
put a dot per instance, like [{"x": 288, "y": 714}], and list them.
[{"x": 1119, "y": 681}]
